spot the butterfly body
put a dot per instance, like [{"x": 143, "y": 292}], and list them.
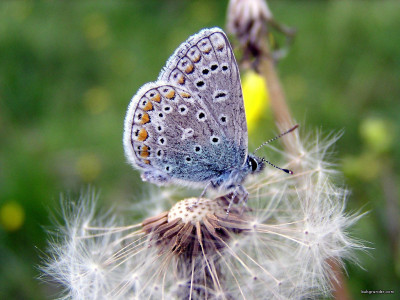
[{"x": 189, "y": 127}]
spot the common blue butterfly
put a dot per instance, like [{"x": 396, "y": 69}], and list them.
[{"x": 189, "y": 127}]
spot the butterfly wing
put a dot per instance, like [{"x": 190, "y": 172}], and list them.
[
  {"x": 177, "y": 131},
  {"x": 206, "y": 66}
]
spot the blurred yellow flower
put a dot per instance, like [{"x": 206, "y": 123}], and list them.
[
  {"x": 378, "y": 134},
  {"x": 88, "y": 167},
  {"x": 96, "y": 100},
  {"x": 256, "y": 98},
  {"x": 12, "y": 216}
]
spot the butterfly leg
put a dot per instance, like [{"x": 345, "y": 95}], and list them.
[
  {"x": 201, "y": 196},
  {"x": 244, "y": 198},
  {"x": 231, "y": 202},
  {"x": 242, "y": 195}
]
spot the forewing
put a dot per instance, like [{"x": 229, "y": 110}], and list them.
[{"x": 206, "y": 67}]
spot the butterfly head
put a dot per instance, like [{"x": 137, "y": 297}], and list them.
[{"x": 255, "y": 164}]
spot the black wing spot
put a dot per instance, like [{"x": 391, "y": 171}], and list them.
[
  {"x": 214, "y": 140},
  {"x": 200, "y": 83},
  {"x": 220, "y": 95},
  {"x": 162, "y": 141}
]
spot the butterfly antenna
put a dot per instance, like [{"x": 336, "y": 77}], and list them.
[
  {"x": 271, "y": 164},
  {"x": 275, "y": 138}
]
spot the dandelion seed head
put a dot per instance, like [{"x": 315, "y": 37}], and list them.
[
  {"x": 194, "y": 210},
  {"x": 279, "y": 246}
]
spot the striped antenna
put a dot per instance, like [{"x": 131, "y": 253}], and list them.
[
  {"x": 271, "y": 164},
  {"x": 275, "y": 138},
  {"x": 271, "y": 140}
]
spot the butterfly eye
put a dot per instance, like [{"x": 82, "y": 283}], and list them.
[{"x": 253, "y": 164}]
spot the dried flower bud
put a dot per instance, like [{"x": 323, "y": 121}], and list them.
[
  {"x": 247, "y": 20},
  {"x": 250, "y": 21}
]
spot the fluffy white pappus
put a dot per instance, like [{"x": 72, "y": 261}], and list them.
[
  {"x": 76, "y": 257},
  {"x": 282, "y": 246},
  {"x": 91, "y": 256},
  {"x": 300, "y": 225},
  {"x": 314, "y": 153},
  {"x": 296, "y": 235}
]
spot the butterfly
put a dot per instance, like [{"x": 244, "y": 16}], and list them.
[{"x": 189, "y": 127}]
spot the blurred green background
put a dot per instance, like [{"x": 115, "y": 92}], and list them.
[{"x": 69, "y": 69}]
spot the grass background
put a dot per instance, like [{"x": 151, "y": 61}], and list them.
[{"x": 69, "y": 69}]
